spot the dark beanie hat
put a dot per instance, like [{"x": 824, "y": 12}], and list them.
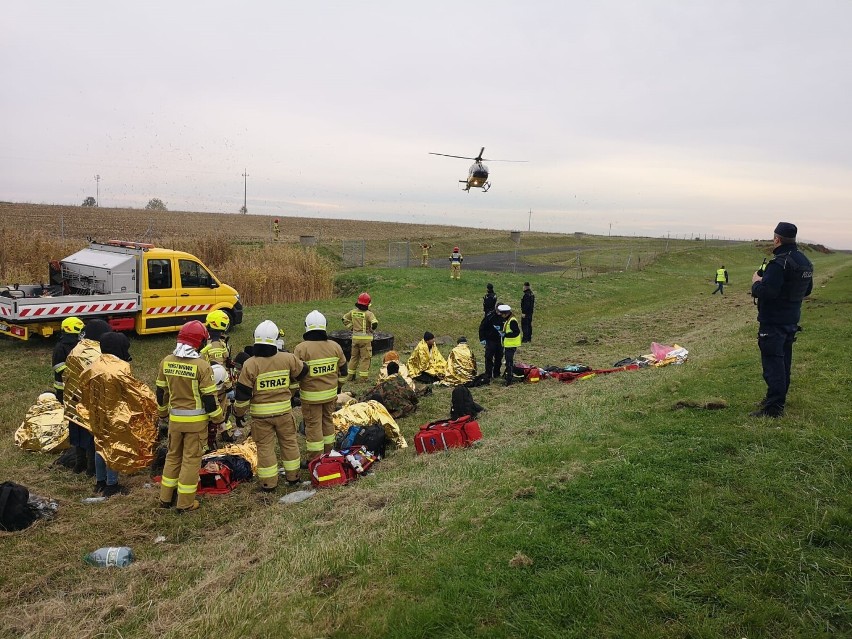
[
  {"x": 461, "y": 340},
  {"x": 427, "y": 336},
  {"x": 116, "y": 344},
  {"x": 393, "y": 367},
  {"x": 95, "y": 329},
  {"x": 489, "y": 286},
  {"x": 786, "y": 230}
]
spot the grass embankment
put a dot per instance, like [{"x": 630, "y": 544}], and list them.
[{"x": 591, "y": 509}]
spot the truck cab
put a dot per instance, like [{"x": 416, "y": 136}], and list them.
[{"x": 178, "y": 287}]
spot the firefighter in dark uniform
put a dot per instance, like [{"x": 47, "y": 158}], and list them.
[
  {"x": 186, "y": 395},
  {"x": 490, "y": 338},
  {"x": 71, "y": 329},
  {"x": 263, "y": 391},
  {"x": 527, "y": 310},
  {"x": 787, "y": 280},
  {"x": 489, "y": 300},
  {"x": 511, "y": 333},
  {"x": 363, "y": 324},
  {"x": 326, "y": 365}
]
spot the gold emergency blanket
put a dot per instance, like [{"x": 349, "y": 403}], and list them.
[
  {"x": 372, "y": 412},
  {"x": 84, "y": 353},
  {"x": 424, "y": 360},
  {"x": 121, "y": 412},
  {"x": 247, "y": 450},
  {"x": 461, "y": 366},
  {"x": 45, "y": 428}
]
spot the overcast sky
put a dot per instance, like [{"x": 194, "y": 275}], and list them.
[{"x": 712, "y": 116}]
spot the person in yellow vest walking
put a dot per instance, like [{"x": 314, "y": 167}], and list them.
[
  {"x": 318, "y": 389},
  {"x": 362, "y": 323},
  {"x": 263, "y": 391},
  {"x": 511, "y": 334},
  {"x": 276, "y": 229},
  {"x": 721, "y": 280},
  {"x": 456, "y": 260},
  {"x": 424, "y": 259},
  {"x": 186, "y": 395}
]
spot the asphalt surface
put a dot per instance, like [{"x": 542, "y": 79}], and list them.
[{"x": 509, "y": 262}]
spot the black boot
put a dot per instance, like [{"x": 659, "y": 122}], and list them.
[
  {"x": 80, "y": 461},
  {"x": 90, "y": 461}
]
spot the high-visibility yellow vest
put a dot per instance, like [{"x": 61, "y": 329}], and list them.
[
  {"x": 511, "y": 342},
  {"x": 720, "y": 275}
]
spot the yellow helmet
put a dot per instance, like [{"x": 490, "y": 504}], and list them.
[
  {"x": 72, "y": 325},
  {"x": 217, "y": 320}
]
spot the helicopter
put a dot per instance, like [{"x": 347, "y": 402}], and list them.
[{"x": 477, "y": 176}]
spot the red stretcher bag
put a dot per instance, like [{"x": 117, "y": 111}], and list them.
[
  {"x": 215, "y": 479},
  {"x": 444, "y": 434},
  {"x": 329, "y": 470}
]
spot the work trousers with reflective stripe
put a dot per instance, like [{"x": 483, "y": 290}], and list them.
[
  {"x": 362, "y": 351},
  {"x": 455, "y": 271},
  {"x": 183, "y": 461},
  {"x": 319, "y": 428},
  {"x": 264, "y": 431}
]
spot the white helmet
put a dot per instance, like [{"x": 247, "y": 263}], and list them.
[
  {"x": 219, "y": 375},
  {"x": 315, "y": 321},
  {"x": 46, "y": 398},
  {"x": 266, "y": 333}
]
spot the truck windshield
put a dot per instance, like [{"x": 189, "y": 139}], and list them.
[{"x": 193, "y": 275}]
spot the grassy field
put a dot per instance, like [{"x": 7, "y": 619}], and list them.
[{"x": 592, "y": 509}]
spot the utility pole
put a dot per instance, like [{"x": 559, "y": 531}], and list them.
[
  {"x": 97, "y": 191},
  {"x": 245, "y": 191},
  {"x": 529, "y": 222}
]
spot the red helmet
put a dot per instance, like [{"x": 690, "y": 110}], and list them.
[
  {"x": 455, "y": 249},
  {"x": 193, "y": 334},
  {"x": 364, "y": 299}
]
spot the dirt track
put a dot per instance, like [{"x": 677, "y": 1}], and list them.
[{"x": 506, "y": 262}]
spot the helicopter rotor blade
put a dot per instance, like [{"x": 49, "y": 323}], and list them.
[
  {"x": 478, "y": 158},
  {"x": 446, "y": 155}
]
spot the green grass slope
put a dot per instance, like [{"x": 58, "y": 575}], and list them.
[{"x": 591, "y": 509}]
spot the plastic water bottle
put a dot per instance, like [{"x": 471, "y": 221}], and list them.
[
  {"x": 297, "y": 497},
  {"x": 353, "y": 461},
  {"x": 120, "y": 556},
  {"x": 92, "y": 500}
]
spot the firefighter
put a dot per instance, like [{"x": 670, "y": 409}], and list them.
[
  {"x": 318, "y": 390},
  {"x": 362, "y": 323},
  {"x": 456, "y": 260},
  {"x": 186, "y": 395},
  {"x": 71, "y": 328},
  {"x": 218, "y": 351},
  {"x": 276, "y": 229},
  {"x": 511, "y": 334},
  {"x": 263, "y": 391},
  {"x": 81, "y": 356},
  {"x": 424, "y": 259}
]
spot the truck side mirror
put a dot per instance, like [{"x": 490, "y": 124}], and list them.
[{"x": 214, "y": 284}]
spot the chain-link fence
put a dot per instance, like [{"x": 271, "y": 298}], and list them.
[
  {"x": 399, "y": 254},
  {"x": 353, "y": 253}
]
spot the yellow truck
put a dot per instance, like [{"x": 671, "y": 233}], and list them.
[{"x": 131, "y": 285}]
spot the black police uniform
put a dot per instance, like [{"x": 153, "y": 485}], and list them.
[
  {"x": 489, "y": 332},
  {"x": 787, "y": 280}
]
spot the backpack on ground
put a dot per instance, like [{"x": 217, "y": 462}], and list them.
[
  {"x": 443, "y": 435},
  {"x": 373, "y": 439},
  {"x": 15, "y": 511},
  {"x": 462, "y": 403}
]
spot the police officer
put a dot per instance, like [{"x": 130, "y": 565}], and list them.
[
  {"x": 527, "y": 310},
  {"x": 326, "y": 366},
  {"x": 363, "y": 324},
  {"x": 489, "y": 336},
  {"x": 787, "y": 279},
  {"x": 489, "y": 300},
  {"x": 263, "y": 390},
  {"x": 511, "y": 333},
  {"x": 186, "y": 395}
]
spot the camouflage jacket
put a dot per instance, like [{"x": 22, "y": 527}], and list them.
[{"x": 395, "y": 395}]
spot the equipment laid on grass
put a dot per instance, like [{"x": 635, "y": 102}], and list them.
[
  {"x": 444, "y": 434},
  {"x": 131, "y": 285},
  {"x": 338, "y": 468}
]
